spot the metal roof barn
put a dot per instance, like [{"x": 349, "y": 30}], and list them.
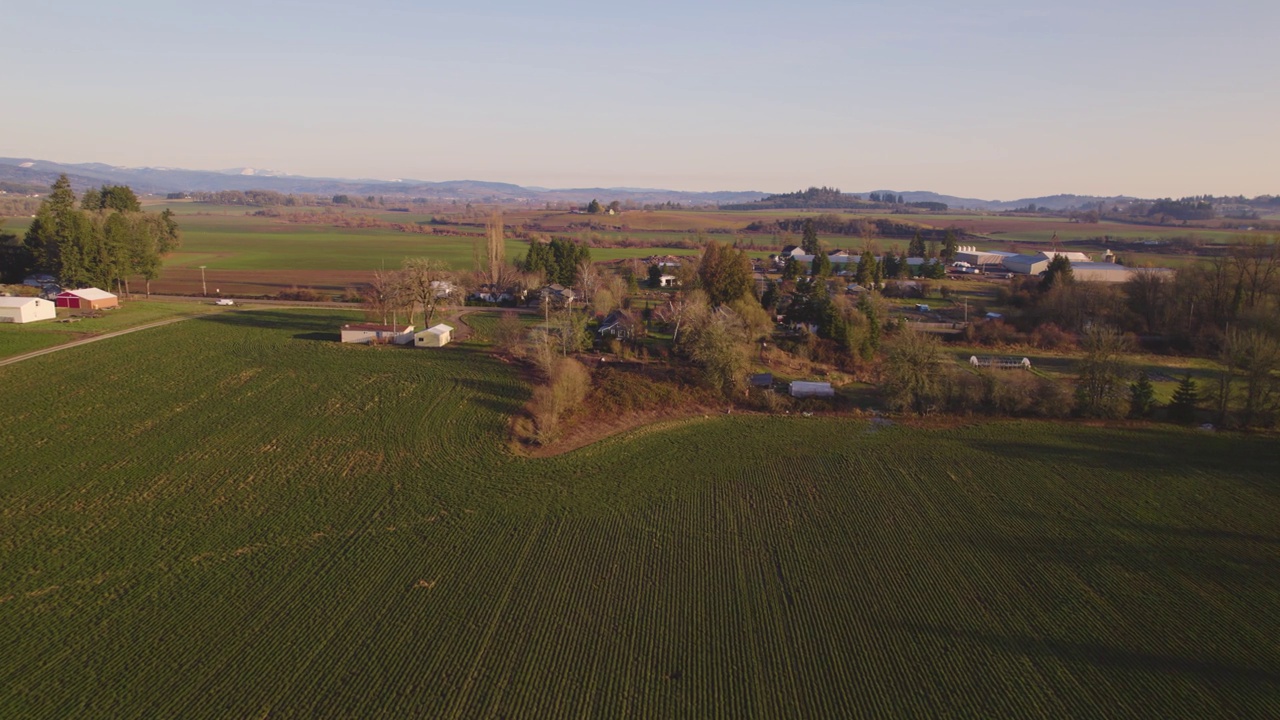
[
  {"x": 87, "y": 299},
  {"x": 25, "y": 310}
]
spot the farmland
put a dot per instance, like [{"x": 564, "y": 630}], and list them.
[
  {"x": 237, "y": 516},
  {"x": 249, "y": 255},
  {"x": 18, "y": 339}
]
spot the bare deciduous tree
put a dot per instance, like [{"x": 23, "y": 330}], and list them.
[{"x": 428, "y": 283}]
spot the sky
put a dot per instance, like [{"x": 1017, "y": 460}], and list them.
[{"x": 995, "y": 99}]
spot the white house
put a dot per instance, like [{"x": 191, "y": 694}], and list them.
[
  {"x": 26, "y": 309},
  {"x": 372, "y": 334},
  {"x": 802, "y": 389},
  {"x": 667, "y": 280},
  {"x": 435, "y": 336}
]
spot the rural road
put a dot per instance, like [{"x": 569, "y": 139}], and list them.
[{"x": 95, "y": 338}]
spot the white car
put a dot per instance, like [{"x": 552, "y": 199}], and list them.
[{"x": 224, "y": 301}]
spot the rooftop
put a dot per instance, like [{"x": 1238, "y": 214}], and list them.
[
  {"x": 373, "y": 327},
  {"x": 90, "y": 294}
]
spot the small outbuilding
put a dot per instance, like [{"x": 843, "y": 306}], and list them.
[
  {"x": 87, "y": 299},
  {"x": 435, "y": 336},
  {"x": 373, "y": 334},
  {"x": 1000, "y": 363},
  {"x": 802, "y": 389},
  {"x": 762, "y": 380},
  {"x": 26, "y": 309}
]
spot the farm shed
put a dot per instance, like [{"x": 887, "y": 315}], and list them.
[
  {"x": 87, "y": 299},
  {"x": 1038, "y": 263},
  {"x": 762, "y": 380},
  {"x": 1000, "y": 363},
  {"x": 25, "y": 310},
  {"x": 372, "y": 334},
  {"x": 434, "y": 336},
  {"x": 972, "y": 255},
  {"x": 802, "y": 389}
]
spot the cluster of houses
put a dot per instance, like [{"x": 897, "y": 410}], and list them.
[{"x": 35, "y": 309}]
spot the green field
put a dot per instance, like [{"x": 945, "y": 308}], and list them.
[
  {"x": 18, "y": 339},
  {"x": 237, "y": 516}
]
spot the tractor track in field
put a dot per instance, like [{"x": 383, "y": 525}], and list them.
[{"x": 95, "y": 338}]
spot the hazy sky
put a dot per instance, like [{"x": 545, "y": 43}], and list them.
[{"x": 987, "y": 98}]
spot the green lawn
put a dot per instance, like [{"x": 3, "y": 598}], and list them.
[{"x": 238, "y": 516}]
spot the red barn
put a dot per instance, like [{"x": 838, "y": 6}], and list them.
[{"x": 86, "y": 299}]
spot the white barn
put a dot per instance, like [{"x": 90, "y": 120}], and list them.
[
  {"x": 26, "y": 309},
  {"x": 372, "y": 334},
  {"x": 435, "y": 336}
]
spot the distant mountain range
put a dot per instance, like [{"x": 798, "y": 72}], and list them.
[
  {"x": 16, "y": 173},
  {"x": 42, "y": 173}
]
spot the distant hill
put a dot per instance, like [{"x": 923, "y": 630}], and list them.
[
  {"x": 25, "y": 174},
  {"x": 826, "y": 198},
  {"x": 1051, "y": 202},
  {"x": 42, "y": 173}
]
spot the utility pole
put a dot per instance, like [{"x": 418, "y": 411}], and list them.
[{"x": 204, "y": 289}]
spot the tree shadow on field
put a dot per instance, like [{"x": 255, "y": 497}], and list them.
[
  {"x": 309, "y": 324},
  {"x": 1169, "y": 533},
  {"x": 502, "y": 398},
  {"x": 1235, "y": 563},
  {"x": 1210, "y": 671},
  {"x": 1247, "y": 459}
]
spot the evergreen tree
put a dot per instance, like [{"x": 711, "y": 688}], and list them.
[
  {"x": 91, "y": 200},
  {"x": 889, "y": 265},
  {"x": 865, "y": 272},
  {"x": 769, "y": 299},
  {"x": 1059, "y": 272},
  {"x": 870, "y": 341},
  {"x": 1142, "y": 396},
  {"x": 791, "y": 269},
  {"x": 809, "y": 242},
  {"x": 655, "y": 276},
  {"x": 949, "y": 246},
  {"x": 1182, "y": 409},
  {"x": 821, "y": 265},
  {"x": 916, "y": 247},
  {"x": 593, "y": 207}
]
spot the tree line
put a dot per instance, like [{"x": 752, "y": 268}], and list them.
[
  {"x": 103, "y": 242},
  {"x": 832, "y": 224}
]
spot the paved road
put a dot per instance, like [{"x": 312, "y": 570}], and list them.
[
  {"x": 95, "y": 338},
  {"x": 250, "y": 303}
]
